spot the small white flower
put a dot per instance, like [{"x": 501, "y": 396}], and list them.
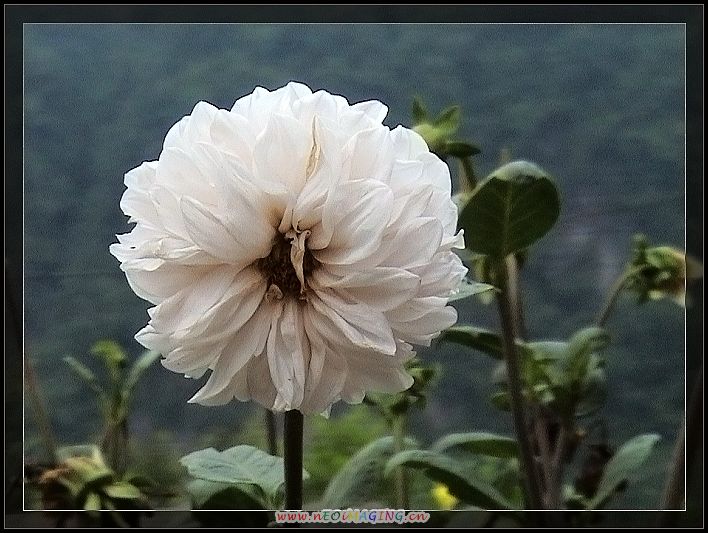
[{"x": 294, "y": 246}]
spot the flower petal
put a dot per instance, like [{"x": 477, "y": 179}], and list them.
[
  {"x": 362, "y": 325},
  {"x": 282, "y": 152}
]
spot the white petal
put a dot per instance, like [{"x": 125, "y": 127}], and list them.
[
  {"x": 408, "y": 144},
  {"x": 185, "y": 307},
  {"x": 282, "y": 152},
  {"x": 362, "y": 325},
  {"x": 192, "y": 128},
  {"x": 356, "y": 215},
  {"x": 372, "y": 108},
  {"x": 383, "y": 288},
  {"x": 329, "y": 386},
  {"x": 424, "y": 329},
  {"x": 249, "y": 343},
  {"x": 371, "y": 154},
  {"x": 260, "y": 385},
  {"x": 226, "y": 241}
]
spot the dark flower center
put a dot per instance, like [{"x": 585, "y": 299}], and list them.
[{"x": 279, "y": 270}]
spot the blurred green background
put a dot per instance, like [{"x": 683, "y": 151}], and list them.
[{"x": 601, "y": 107}]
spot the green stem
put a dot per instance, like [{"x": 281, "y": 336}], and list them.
[
  {"x": 469, "y": 181},
  {"x": 688, "y": 442},
  {"x": 612, "y": 298},
  {"x": 399, "y": 435},
  {"x": 557, "y": 465},
  {"x": 292, "y": 454},
  {"x": 507, "y": 315}
]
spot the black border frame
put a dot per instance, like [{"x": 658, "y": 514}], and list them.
[{"x": 16, "y": 15}]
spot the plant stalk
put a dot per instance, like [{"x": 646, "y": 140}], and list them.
[
  {"x": 469, "y": 180},
  {"x": 507, "y": 316},
  {"x": 612, "y": 298},
  {"x": 292, "y": 454},
  {"x": 688, "y": 442},
  {"x": 555, "y": 485}
]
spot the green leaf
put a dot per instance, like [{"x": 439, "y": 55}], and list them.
[
  {"x": 122, "y": 490},
  {"x": 510, "y": 210},
  {"x": 88, "y": 472},
  {"x": 79, "y": 450},
  {"x": 357, "y": 480},
  {"x": 480, "y": 443},
  {"x": 461, "y": 149},
  {"x": 473, "y": 337},
  {"x": 462, "y": 482},
  {"x": 631, "y": 455},
  {"x": 448, "y": 120},
  {"x": 110, "y": 352},
  {"x": 501, "y": 400},
  {"x": 480, "y": 339},
  {"x": 225, "y": 496},
  {"x": 137, "y": 370},
  {"x": 469, "y": 288},
  {"x": 420, "y": 114},
  {"x": 594, "y": 389},
  {"x": 238, "y": 465},
  {"x": 93, "y": 502},
  {"x": 580, "y": 347},
  {"x": 85, "y": 373}
]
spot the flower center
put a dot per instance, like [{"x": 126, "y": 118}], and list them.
[{"x": 280, "y": 268}]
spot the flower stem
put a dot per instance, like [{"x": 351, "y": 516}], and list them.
[
  {"x": 505, "y": 299},
  {"x": 272, "y": 434},
  {"x": 399, "y": 435},
  {"x": 557, "y": 465},
  {"x": 469, "y": 180},
  {"x": 612, "y": 298},
  {"x": 688, "y": 442},
  {"x": 292, "y": 448}
]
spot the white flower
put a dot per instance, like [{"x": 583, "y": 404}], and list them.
[{"x": 294, "y": 246}]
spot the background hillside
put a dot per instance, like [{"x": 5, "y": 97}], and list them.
[{"x": 601, "y": 107}]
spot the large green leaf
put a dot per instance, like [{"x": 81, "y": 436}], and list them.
[
  {"x": 225, "y": 496},
  {"x": 468, "y": 288},
  {"x": 240, "y": 464},
  {"x": 510, "y": 210},
  {"x": 480, "y": 443},
  {"x": 459, "y": 478},
  {"x": 631, "y": 455},
  {"x": 357, "y": 481}
]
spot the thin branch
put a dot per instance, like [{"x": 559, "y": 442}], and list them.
[
  {"x": 688, "y": 442},
  {"x": 509, "y": 334}
]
